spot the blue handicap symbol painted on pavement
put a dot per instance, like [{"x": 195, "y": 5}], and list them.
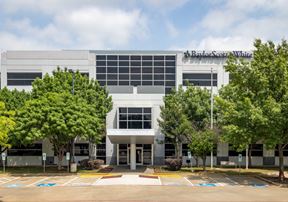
[
  {"x": 207, "y": 185},
  {"x": 46, "y": 185},
  {"x": 14, "y": 185},
  {"x": 259, "y": 185}
]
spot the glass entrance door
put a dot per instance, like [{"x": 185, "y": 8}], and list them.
[{"x": 139, "y": 156}]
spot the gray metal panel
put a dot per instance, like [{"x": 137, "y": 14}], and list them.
[
  {"x": 132, "y": 52},
  {"x": 120, "y": 89},
  {"x": 151, "y": 89}
]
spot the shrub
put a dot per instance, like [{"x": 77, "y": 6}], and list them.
[
  {"x": 95, "y": 164},
  {"x": 84, "y": 163},
  {"x": 173, "y": 164}
]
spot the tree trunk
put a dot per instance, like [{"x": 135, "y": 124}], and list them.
[
  {"x": 60, "y": 155},
  {"x": 281, "y": 163},
  {"x": 177, "y": 150},
  {"x": 92, "y": 151},
  {"x": 204, "y": 162},
  {"x": 197, "y": 161},
  {"x": 250, "y": 155}
]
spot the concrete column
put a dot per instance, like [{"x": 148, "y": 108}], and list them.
[{"x": 133, "y": 156}]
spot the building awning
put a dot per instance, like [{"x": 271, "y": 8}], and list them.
[{"x": 131, "y": 136}]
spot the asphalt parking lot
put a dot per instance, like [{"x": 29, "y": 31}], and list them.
[{"x": 193, "y": 180}]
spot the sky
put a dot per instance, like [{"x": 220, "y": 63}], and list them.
[{"x": 140, "y": 24}]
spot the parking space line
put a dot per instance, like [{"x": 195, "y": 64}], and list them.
[
  {"x": 159, "y": 179},
  {"x": 233, "y": 181},
  {"x": 69, "y": 181},
  {"x": 96, "y": 181},
  {"x": 9, "y": 180},
  {"x": 43, "y": 179},
  {"x": 189, "y": 181}
]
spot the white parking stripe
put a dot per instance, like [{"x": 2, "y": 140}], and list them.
[
  {"x": 9, "y": 180},
  {"x": 189, "y": 181},
  {"x": 96, "y": 181},
  {"x": 43, "y": 179},
  {"x": 69, "y": 181},
  {"x": 159, "y": 179},
  {"x": 234, "y": 182}
]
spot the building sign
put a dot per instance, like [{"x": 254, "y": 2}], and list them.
[{"x": 216, "y": 54}]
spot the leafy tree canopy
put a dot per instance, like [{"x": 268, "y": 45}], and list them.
[
  {"x": 253, "y": 107},
  {"x": 7, "y": 125},
  {"x": 13, "y": 99}
]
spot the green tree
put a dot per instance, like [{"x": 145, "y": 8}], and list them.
[
  {"x": 7, "y": 125},
  {"x": 173, "y": 120},
  {"x": 13, "y": 99},
  {"x": 89, "y": 90},
  {"x": 58, "y": 117},
  {"x": 201, "y": 144},
  {"x": 254, "y": 104},
  {"x": 197, "y": 103}
]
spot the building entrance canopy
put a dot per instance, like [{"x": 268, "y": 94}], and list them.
[{"x": 131, "y": 136}]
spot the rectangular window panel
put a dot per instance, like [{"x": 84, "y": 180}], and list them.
[
  {"x": 112, "y": 70},
  {"x": 135, "y": 110},
  {"x": 100, "y": 63},
  {"x": 135, "y": 57},
  {"x": 112, "y": 63},
  {"x": 169, "y": 57},
  {"x": 112, "y": 83},
  {"x": 146, "y": 76},
  {"x": 112, "y": 57},
  {"x": 123, "y": 124},
  {"x": 158, "y": 76},
  {"x": 170, "y": 70},
  {"x": 122, "y": 110},
  {"x": 102, "y": 83},
  {"x": 147, "y": 110},
  {"x": 81, "y": 149},
  {"x": 146, "y": 63},
  {"x": 29, "y": 150},
  {"x": 100, "y": 57},
  {"x": 170, "y": 76},
  {"x": 135, "y": 83},
  {"x": 159, "y": 83},
  {"x": 135, "y": 70},
  {"x": 136, "y": 64},
  {"x": 158, "y": 70},
  {"x": 123, "y": 57},
  {"x": 170, "y": 63},
  {"x": 124, "y": 83},
  {"x": 112, "y": 76},
  {"x": 124, "y": 70},
  {"x": 122, "y": 116},
  {"x": 101, "y": 76},
  {"x": 147, "y": 83},
  {"x": 158, "y": 57},
  {"x": 124, "y": 77},
  {"x": 135, "y": 76},
  {"x": 124, "y": 63},
  {"x": 146, "y": 70},
  {"x": 135, "y": 125},
  {"x": 22, "y": 78},
  {"x": 159, "y": 63},
  {"x": 147, "y": 57},
  {"x": 100, "y": 70}
]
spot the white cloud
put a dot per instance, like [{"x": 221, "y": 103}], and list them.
[
  {"x": 164, "y": 5},
  {"x": 172, "y": 30},
  {"x": 84, "y": 28}
]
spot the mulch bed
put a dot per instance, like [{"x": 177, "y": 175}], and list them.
[
  {"x": 149, "y": 176},
  {"x": 105, "y": 170},
  {"x": 112, "y": 176}
]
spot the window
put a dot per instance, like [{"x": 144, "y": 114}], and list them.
[
  {"x": 185, "y": 149},
  {"x": 30, "y": 150},
  {"x": 169, "y": 150},
  {"x": 256, "y": 149},
  {"x": 233, "y": 152},
  {"x": 101, "y": 150},
  {"x": 285, "y": 151},
  {"x": 139, "y": 68},
  {"x": 21, "y": 78},
  {"x": 81, "y": 149},
  {"x": 199, "y": 79},
  {"x": 135, "y": 118}
]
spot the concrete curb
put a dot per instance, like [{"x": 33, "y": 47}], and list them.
[{"x": 271, "y": 182}]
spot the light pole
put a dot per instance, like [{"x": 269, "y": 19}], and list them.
[
  {"x": 73, "y": 141},
  {"x": 211, "y": 115}
]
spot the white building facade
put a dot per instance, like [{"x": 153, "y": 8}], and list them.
[{"x": 137, "y": 82}]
